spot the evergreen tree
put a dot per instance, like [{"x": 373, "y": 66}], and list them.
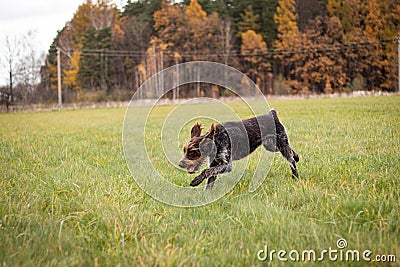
[
  {"x": 250, "y": 21},
  {"x": 268, "y": 27},
  {"x": 95, "y": 72},
  {"x": 308, "y": 10},
  {"x": 143, "y": 9}
]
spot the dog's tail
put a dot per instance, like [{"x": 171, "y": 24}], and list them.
[{"x": 274, "y": 114}]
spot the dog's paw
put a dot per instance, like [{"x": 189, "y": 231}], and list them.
[
  {"x": 295, "y": 174},
  {"x": 197, "y": 180},
  {"x": 296, "y": 156}
]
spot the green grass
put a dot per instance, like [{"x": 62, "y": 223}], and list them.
[{"x": 67, "y": 197}]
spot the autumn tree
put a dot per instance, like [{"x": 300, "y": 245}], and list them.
[
  {"x": 286, "y": 21},
  {"x": 185, "y": 33},
  {"x": 189, "y": 30},
  {"x": 319, "y": 45},
  {"x": 382, "y": 57},
  {"x": 71, "y": 79},
  {"x": 169, "y": 33},
  {"x": 371, "y": 56},
  {"x": 201, "y": 31},
  {"x": 129, "y": 33},
  {"x": 288, "y": 37},
  {"x": 80, "y": 24},
  {"x": 322, "y": 70},
  {"x": 253, "y": 47},
  {"x": 71, "y": 38},
  {"x": 169, "y": 25},
  {"x": 342, "y": 10},
  {"x": 391, "y": 30}
]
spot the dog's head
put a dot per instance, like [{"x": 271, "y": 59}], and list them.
[{"x": 198, "y": 148}]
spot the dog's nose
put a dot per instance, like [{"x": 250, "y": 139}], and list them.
[{"x": 181, "y": 164}]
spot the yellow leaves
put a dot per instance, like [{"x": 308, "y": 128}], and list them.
[
  {"x": 185, "y": 29},
  {"x": 169, "y": 14},
  {"x": 333, "y": 7},
  {"x": 168, "y": 23},
  {"x": 70, "y": 79},
  {"x": 75, "y": 59},
  {"x": 373, "y": 21},
  {"x": 286, "y": 19},
  {"x": 163, "y": 46},
  {"x": 52, "y": 72},
  {"x": 117, "y": 31},
  {"x": 177, "y": 56},
  {"x": 195, "y": 12},
  {"x": 253, "y": 43},
  {"x": 141, "y": 69},
  {"x": 81, "y": 21}
]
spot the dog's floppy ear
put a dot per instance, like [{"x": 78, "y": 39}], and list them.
[
  {"x": 207, "y": 146},
  {"x": 210, "y": 134},
  {"x": 196, "y": 130}
]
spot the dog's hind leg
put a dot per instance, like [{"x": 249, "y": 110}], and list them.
[
  {"x": 289, "y": 155},
  {"x": 282, "y": 143},
  {"x": 287, "y": 152}
]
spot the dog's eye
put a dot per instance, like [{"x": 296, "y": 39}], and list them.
[{"x": 193, "y": 154}]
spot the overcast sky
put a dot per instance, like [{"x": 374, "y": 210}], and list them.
[{"x": 43, "y": 17}]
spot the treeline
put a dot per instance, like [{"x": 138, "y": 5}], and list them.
[{"x": 285, "y": 46}]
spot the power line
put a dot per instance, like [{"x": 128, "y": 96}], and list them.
[{"x": 269, "y": 52}]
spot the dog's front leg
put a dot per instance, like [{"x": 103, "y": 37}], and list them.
[
  {"x": 212, "y": 171},
  {"x": 210, "y": 182}
]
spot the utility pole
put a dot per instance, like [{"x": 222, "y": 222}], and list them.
[
  {"x": 398, "y": 60},
  {"x": 59, "y": 77},
  {"x": 198, "y": 83},
  {"x": 161, "y": 72}
]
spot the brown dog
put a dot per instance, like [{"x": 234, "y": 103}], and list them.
[{"x": 233, "y": 141}]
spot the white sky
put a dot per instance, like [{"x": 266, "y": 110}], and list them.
[{"x": 43, "y": 17}]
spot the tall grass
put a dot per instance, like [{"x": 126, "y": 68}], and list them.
[{"x": 67, "y": 197}]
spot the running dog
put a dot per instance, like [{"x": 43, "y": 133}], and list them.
[{"x": 234, "y": 140}]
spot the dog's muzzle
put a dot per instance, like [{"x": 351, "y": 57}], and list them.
[{"x": 188, "y": 167}]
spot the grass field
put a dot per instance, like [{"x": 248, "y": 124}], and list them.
[{"x": 68, "y": 199}]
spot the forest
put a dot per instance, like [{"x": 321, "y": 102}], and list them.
[{"x": 284, "y": 46}]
